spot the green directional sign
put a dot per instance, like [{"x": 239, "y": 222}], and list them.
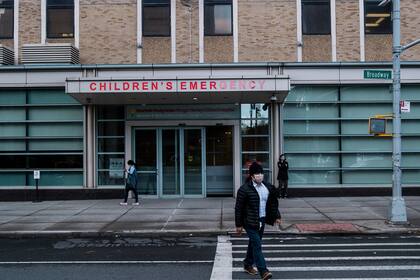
[{"x": 378, "y": 74}]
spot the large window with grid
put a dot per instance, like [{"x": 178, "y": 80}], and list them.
[
  {"x": 40, "y": 129},
  {"x": 217, "y": 17},
  {"x": 326, "y": 135},
  {"x": 378, "y": 18},
  {"x": 316, "y": 17},
  {"x": 156, "y": 18},
  {"x": 60, "y": 18},
  {"x": 6, "y": 19}
]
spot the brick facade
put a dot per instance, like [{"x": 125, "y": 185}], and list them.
[
  {"x": 312, "y": 44},
  {"x": 156, "y": 50},
  {"x": 348, "y": 30},
  {"x": 7, "y": 43},
  {"x": 410, "y": 22},
  {"x": 267, "y": 30},
  {"x": 218, "y": 49},
  {"x": 378, "y": 47},
  {"x": 113, "y": 36},
  {"x": 187, "y": 33},
  {"x": 29, "y": 22}
]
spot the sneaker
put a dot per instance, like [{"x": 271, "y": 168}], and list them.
[
  {"x": 266, "y": 275},
  {"x": 135, "y": 204},
  {"x": 123, "y": 203},
  {"x": 250, "y": 270}
]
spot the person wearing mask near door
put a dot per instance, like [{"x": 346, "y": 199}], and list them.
[
  {"x": 283, "y": 176},
  {"x": 256, "y": 205},
  {"x": 131, "y": 183}
]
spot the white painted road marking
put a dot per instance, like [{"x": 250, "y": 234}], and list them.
[
  {"x": 106, "y": 262},
  {"x": 331, "y": 245},
  {"x": 288, "y": 259},
  {"x": 340, "y": 268},
  {"x": 222, "y": 267},
  {"x": 334, "y": 250}
]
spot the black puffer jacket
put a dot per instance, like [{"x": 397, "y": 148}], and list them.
[{"x": 247, "y": 206}]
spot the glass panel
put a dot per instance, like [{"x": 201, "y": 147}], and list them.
[
  {"x": 261, "y": 158},
  {"x": 366, "y": 144},
  {"x": 255, "y": 144},
  {"x": 364, "y": 110},
  {"x": 12, "y": 161},
  {"x": 307, "y": 110},
  {"x": 12, "y": 130},
  {"x": 57, "y": 178},
  {"x": 367, "y": 177},
  {"x": 218, "y": 19},
  {"x": 311, "y": 127},
  {"x": 44, "y": 96},
  {"x": 410, "y": 144},
  {"x": 313, "y": 93},
  {"x": 111, "y": 145},
  {"x": 146, "y": 160},
  {"x": 55, "y": 145},
  {"x": 410, "y": 160},
  {"x": 253, "y": 111},
  {"x": 13, "y": 179},
  {"x": 6, "y": 21},
  {"x": 60, "y": 22},
  {"x": 156, "y": 20},
  {"x": 314, "y": 177},
  {"x": 69, "y": 113},
  {"x": 111, "y": 128},
  {"x": 358, "y": 126},
  {"x": 55, "y": 161},
  {"x": 219, "y": 157},
  {"x": 377, "y": 18},
  {"x": 367, "y": 160},
  {"x": 12, "y": 114},
  {"x": 106, "y": 178},
  {"x": 193, "y": 162},
  {"x": 411, "y": 176},
  {"x": 55, "y": 129},
  {"x": 255, "y": 127},
  {"x": 170, "y": 162},
  {"x": 12, "y": 97},
  {"x": 110, "y": 112},
  {"x": 12, "y": 145},
  {"x": 313, "y": 160},
  {"x": 311, "y": 144},
  {"x": 108, "y": 161},
  {"x": 316, "y": 17},
  {"x": 366, "y": 93},
  {"x": 411, "y": 93},
  {"x": 414, "y": 111}
]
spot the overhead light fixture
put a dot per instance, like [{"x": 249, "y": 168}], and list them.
[
  {"x": 195, "y": 98},
  {"x": 371, "y": 15},
  {"x": 372, "y": 24},
  {"x": 380, "y": 20}
]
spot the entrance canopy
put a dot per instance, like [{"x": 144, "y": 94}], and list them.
[{"x": 178, "y": 91}]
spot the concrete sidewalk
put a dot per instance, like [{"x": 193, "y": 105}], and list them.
[{"x": 195, "y": 216}]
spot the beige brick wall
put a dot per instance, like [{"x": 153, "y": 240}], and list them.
[
  {"x": 378, "y": 47},
  {"x": 156, "y": 50},
  {"x": 218, "y": 49},
  {"x": 7, "y": 43},
  {"x": 108, "y": 31},
  {"x": 187, "y": 48},
  {"x": 348, "y": 31},
  {"x": 267, "y": 30},
  {"x": 29, "y": 22},
  {"x": 410, "y": 28},
  {"x": 316, "y": 48}
]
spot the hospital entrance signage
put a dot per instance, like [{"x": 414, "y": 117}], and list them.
[{"x": 173, "y": 86}]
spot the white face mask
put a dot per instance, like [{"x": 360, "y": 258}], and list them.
[{"x": 258, "y": 178}]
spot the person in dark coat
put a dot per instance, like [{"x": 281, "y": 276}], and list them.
[
  {"x": 131, "y": 183},
  {"x": 256, "y": 205},
  {"x": 283, "y": 176}
]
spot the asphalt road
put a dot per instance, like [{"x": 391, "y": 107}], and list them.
[{"x": 107, "y": 258}]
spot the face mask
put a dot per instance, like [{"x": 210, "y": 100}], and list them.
[{"x": 258, "y": 178}]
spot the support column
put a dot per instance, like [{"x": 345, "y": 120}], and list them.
[
  {"x": 89, "y": 154},
  {"x": 275, "y": 139}
]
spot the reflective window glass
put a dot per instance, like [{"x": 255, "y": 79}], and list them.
[
  {"x": 378, "y": 18},
  {"x": 6, "y": 19},
  {"x": 156, "y": 18},
  {"x": 60, "y": 18},
  {"x": 218, "y": 17},
  {"x": 316, "y": 17}
]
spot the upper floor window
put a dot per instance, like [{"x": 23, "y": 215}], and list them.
[
  {"x": 316, "y": 17},
  {"x": 156, "y": 18},
  {"x": 218, "y": 17},
  {"x": 378, "y": 18},
  {"x": 6, "y": 19},
  {"x": 60, "y": 18}
]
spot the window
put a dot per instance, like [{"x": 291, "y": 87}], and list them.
[
  {"x": 156, "y": 18},
  {"x": 217, "y": 17},
  {"x": 377, "y": 19},
  {"x": 60, "y": 18},
  {"x": 316, "y": 18},
  {"x": 6, "y": 19}
]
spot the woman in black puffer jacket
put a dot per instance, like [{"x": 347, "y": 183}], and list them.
[{"x": 256, "y": 205}]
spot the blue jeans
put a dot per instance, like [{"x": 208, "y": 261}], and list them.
[{"x": 254, "y": 253}]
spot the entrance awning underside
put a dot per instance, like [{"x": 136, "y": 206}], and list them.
[{"x": 178, "y": 91}]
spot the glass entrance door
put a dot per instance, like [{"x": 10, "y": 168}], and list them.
[{"x": 171, "y": 161}]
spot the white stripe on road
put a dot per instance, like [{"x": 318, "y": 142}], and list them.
[
  {"x": 268, "y": 238},
  {"x": 106, "y": 262},
  {"x": 331, "y": 245},
  {"x": 339, "y": 268},
  {"x": 287, "y": 259},
  {"x": 387, "y": 278},
  {"x": 222, "y": 267},
  {"x": 335, "y": 250}
]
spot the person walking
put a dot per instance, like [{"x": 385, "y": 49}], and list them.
[
  {"x": 283, "y": 176},
  {"x": 131, "y": 183},
  {"x": 256, "y": 205}
]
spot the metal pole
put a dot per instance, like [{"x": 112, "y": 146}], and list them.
[{"x": 398, "y": 211}]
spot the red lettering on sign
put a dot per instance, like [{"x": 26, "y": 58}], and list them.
[
  {"x": 116, "y": 86},
  {"x": 155, "y": 85},
  {"x": 193, "y": 85},
  {"x": 169, "y": 86},
  {"x": 126, "y": 86},
  {"x": 203, "y": 85},
  {"x": 92, "y": 86},
  {"x": 242, "y": 84},
  {"x": 144, "y": 86},
  {"x": 212, "y": 85},
  {"x": 232, "y": 84},
  {"x": 183, "y": 85},
  {"x": 261, "y": 82},
  {"x": 251, "y": 84},
  {"x": 102, "y": 86},
  {"x": 136, "y": 86}
]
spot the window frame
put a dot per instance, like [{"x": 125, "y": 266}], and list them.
[
  {"x": 218, "y": 3},
  {"x": 151, "y": 5},
  {"x": 48, "y": 7},
  {"x": 314, "y": 2},
  {"x": 10, "y": 6},
  {"x": 365, "y": 5}
]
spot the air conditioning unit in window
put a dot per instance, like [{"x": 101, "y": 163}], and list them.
[
  {"x": 50, "y": 53},
  {"x": 6, "y": 56}
]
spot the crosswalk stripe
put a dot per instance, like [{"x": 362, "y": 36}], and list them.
[
  {"x": 330, "y": 245},
  {"x": 222, "y": 266},
  {"x": 387, "y": 278},
  {"x": 334, "y": 250},
  {"x": 338, "y": 268},
  {"x": 338, "y": 258}
]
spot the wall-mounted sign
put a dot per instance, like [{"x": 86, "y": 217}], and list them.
[
  {"x": 116, "y": 168},
  {"x": 405, "y": 106},
  {"x": 37, "y": 174},
  {"x": 377, "y": 74}
]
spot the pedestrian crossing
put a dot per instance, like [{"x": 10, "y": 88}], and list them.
[{"x": 325, "y": 257}]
